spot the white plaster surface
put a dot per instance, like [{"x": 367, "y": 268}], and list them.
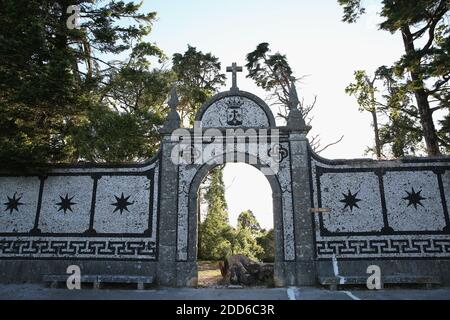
[
  {"x": 53, "y": 220},
  {"x": 135, "y": 220},
  {"x": 369, "y": 215},
  {"x": 28, "y": 189},
  {"x": 429, "y": 217}
]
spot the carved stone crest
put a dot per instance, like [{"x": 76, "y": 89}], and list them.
[{"x": 234, "y": 111}]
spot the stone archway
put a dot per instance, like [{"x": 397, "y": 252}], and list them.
[
  {"x": 284, "y": 150},
  {"x": 277, "y": 216}
]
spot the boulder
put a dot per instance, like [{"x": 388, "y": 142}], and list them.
[{"x": 241, "y": 270}]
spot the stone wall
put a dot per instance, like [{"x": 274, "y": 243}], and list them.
[
  {"x": 141, "y": 219},
  {"x": 78, "y": 215},
  {"x": 392, "y": 213}
]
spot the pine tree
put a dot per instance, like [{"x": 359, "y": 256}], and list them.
[
  {"x": 199, "y": 77},
  {"x": 215, "y": 232},
  {"x": 424, "y": 67},
  {"x": 56, "y": 83}
]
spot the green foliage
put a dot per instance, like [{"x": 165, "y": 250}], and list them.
[
  {"x": 267, "y": 242},
  {"x": 352, "y": 10},
  {"x": 364, "y": 90},
  {"x": 444, "y": 133},
  {"x": 268, "y": 70},
  {"x": 271, "y": 72},
  {"x": 198, "y": 77},
  {"x": 58, "y": 92},
  {"x": 423, "y": 71},
  {"x": 400, "y": 133},
  {"x": 247, "y": 220},
  {"x": 215, "y": 233},
  {"x": 217, "y": 239},
  {"x": 115, "y": 137},
  {"x": 243, "y": 241},
  {"x": 246, "y": 234}
]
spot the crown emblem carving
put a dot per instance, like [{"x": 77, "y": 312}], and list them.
[
  {"x": 235, "y": 102},
  {"x": 234, "y": 111}
]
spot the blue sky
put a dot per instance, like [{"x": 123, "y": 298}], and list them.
[
  {"x": 317, "y": 43},
  {"x": 312, "y": 36}
]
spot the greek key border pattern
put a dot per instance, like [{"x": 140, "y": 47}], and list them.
[
  {"x": 76, "y": 248},
  {"x": 384, "y": 248}
]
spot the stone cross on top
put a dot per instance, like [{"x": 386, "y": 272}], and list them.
[{"x": 234, "y": 69}]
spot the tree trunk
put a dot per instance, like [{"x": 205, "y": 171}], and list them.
[
  {"x": 376, "y": 133},
  {"x": 241, "y": 270},
  {"x": 426, "y": 120},
  {"x": 426, "y": 117}
]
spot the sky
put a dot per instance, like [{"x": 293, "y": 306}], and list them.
[{"x": 318, "y": 45}]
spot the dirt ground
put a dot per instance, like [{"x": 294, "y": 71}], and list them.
[{"x": 209, "y": 274}]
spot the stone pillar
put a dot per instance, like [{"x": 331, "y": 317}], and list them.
[
  {"x": 167, "y": 233},
  {"x": 279, "y": 267},
  {"x": 303, "y": 222}
]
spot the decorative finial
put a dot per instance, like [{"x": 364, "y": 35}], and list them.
[
  {"x": 234, "y": 69},
  {"x": 293, "y": 96},
  {"x": 173, "y": 101},
  {"x": 173, "y": 120},
  {"x": 295, "y": 119}
]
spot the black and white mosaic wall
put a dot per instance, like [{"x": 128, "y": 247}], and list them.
[
  {"x": 384, "y": 209},
  {"x": 133, "y": 213},
  {"x": 81, "y": 213}
]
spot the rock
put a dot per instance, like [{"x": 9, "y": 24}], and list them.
[{"x": 241, "y": 270}]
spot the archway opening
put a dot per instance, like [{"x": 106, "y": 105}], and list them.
[{"x": 235, "y": 227}]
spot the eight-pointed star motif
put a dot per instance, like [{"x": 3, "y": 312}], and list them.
[
  {"x": 13, "y": 203},
  {"x": 66, "y": 203},
  {"x": 121, "y": 203},
  {"x": 350, "y": 200},
  {"x": 414, "y": 198}
]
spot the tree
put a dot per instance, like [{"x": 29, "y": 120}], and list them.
[
  {"x": 381, "y": 94},
  {"x": 402, "y": 131},
  {"x": 273, "y": 73},
  {"x": 198, "y": 77},
  {"x": 215, "y": 232},
  {"x": 424, "y": 65},
  {"x": 124, "y": 127},
  {"x": 267, "y": 242},
  {"x": 247, "y": 220},
  {"x": 364, "y": 90},
  {"x": 244, "y": 242},
  {"x": 245, "y": 236},
  {"x": 56, "y": 81}
]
